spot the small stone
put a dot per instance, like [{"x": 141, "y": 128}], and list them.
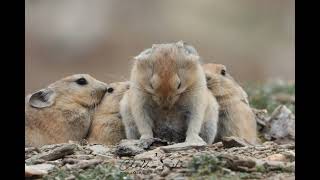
[
  {"x": 129, "y": 148},
  {"x": 276, "y": 157},
  {"x": 99, "y": 149},
  {"x": 149, "y": 155},
  {"x": 38, "y": 169},
  {"x": 184, "y": 146},
  {"x": 229, "y": 142},
  {"x": 175, "y": 176},
  {"x": 217, "y": 145},
  {"x": 281, "y": 127},
  {"x": 165, "y": 172},
  {"x": 71, "y": 177}
]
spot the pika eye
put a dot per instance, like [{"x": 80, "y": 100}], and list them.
[
  {"x": 179, "y": 85},
  {"x": 81, "y": 81},
  {"x": 110, "y": 90},
  {"x": 223, "y": 72}
]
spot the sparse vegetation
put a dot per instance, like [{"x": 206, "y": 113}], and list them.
[
  {"x": 205, "y": 164},
  {"x": 101, "y": 171},
  {"x": 271, "y": 94}
]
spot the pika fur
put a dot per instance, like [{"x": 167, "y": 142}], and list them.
[
  {"x": 107, "y": 127},
  {"x": 62, "y": 111},
  {"x": 235, "y": 115},
  {"x": 168, "y": 97}
]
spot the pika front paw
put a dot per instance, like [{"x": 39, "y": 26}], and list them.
[
  {"x": 195, "y": 140},
  {"x": 146, "y": 136}
]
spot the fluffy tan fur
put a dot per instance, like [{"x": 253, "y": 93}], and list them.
[
  {"x": 107, "y": 127},
  {"x": 168, "y": 97},
  {"x": 62, "y": 111},
  {"x": 235, "y": 117}
]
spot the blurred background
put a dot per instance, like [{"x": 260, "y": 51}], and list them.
[{"x": 253, "y": 38}]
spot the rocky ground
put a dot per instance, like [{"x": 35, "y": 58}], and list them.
[{"x": 233, "y": 158}]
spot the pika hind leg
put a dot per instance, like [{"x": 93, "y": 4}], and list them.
[
  {"x": 130, "y": 127},
  {"x": 210, "y": 125},
  {"x": 208, "y": 131}
]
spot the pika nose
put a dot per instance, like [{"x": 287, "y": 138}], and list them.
[
  {"x": 165, "y": 108},
  {"x": 105, "y": 89}
]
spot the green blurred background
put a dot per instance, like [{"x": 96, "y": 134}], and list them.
[{"x": 254, "y": 38}]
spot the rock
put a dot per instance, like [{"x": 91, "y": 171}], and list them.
[
  {"x": 132, "y": 147},
  {"x": 279, "y": 166},
  {"x": 84, "y": 164},
  {"x": 237, "y": 163},
  {"x": 31, "y": 149},
  {"x": 217, "y": 145},
  {"x": 54, "y": 154},
  {"x": 290, "y": 155},
  {"x": 129, "y": 148},
  {"x": 281, "y": 176},
  {"x": 99, "y": 149},
  {"x": 281, "y": 127},
  {"x": 165, "y": 172},
  {"x": 229, "y": 142},
  {"x": 71, "y": 177},
  {"x": 176, "y": 176},
  {"x": 80, "y": 156},
  {"x": 261, "y": 118},
  {"x": 276, "y": 157},
  {"x": 38, "y": 169},
  {"x": 150, "y": 155},
  {"x": 181, "y": 147},
  {"x": 287, "y": 146}
]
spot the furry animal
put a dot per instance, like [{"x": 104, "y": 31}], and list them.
[
  {"x": 107, "y": 127},
  {"x": 62, "y": 111},
  {"x": 235, "y": 115},
  {"x": 168, "y": 97}
]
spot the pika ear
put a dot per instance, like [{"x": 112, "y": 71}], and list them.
[
  {"x": 191, "y": 50},
  {"x": 188, "y": 47},
  {"x": 180, "y": 43},
  {"x": 43, "y": 98},
  {"x": 144, "y": 54}
]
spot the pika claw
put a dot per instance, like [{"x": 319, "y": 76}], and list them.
[{"x": 195, "y": 141}]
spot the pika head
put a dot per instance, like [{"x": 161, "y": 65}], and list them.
[
  {"x": 107, "y": 127},
  {"x": 219, "y": 81},
  {"x": 81, "y": 89},
  {"x": 115, "y": 91},
  {"x": 166, "y": 71},
  {"x": 110, "y": 102}
]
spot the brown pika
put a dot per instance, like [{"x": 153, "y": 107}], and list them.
[
  {"x": 168, "y": 97},
  {"x": 235, "y": 115},
  {"x": 63, "y": 110},
  {"x": 107, "y": 127}
]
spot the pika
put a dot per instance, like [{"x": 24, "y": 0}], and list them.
[
  {"x": 107, "y": 127},
  {"x": 62, "y": 111},
  {"x": 169, "y": 98},
  {"x": 235, "y": 115}
]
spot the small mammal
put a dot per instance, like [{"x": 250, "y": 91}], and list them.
[
  {"x": 63, "y": 110},
  {"x": 235, "y": 115},
  {"x": 168, "y": 97},
  {"x": 107, "y": 127}
]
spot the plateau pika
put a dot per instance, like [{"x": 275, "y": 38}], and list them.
[
  {"x": 107, "y": 127},
  {"x": 235, "y": 115},
  {"x": 62, "y": 111},
  {"x": 168, "y": 97}
]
